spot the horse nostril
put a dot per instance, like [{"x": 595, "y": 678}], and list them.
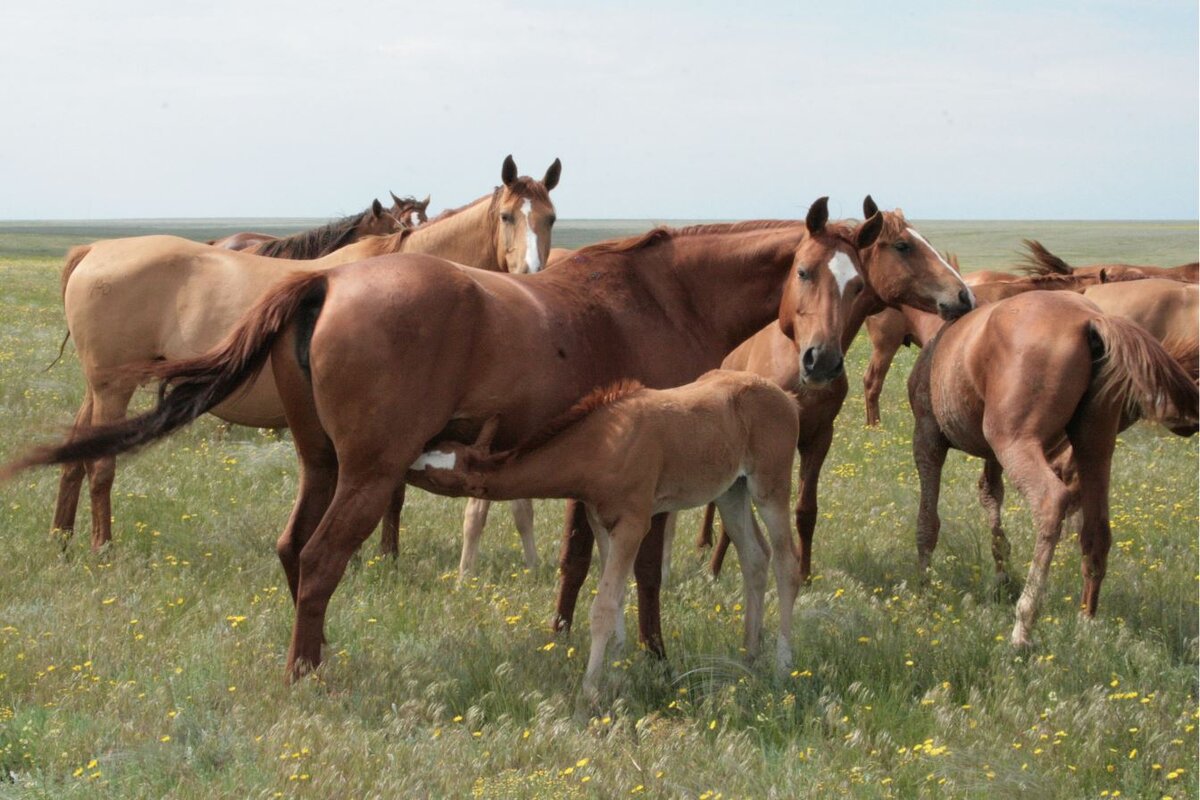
[
  {"x": 839, "y": 366},
  {"x": 964, "y": 297},
  {"x": 809, "y": 360}
]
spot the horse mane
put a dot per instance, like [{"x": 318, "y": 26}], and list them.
[
  {"x": 308, "y": 245},
  {"x": 1040, "y": 261},
  {"x": 598, "y": 398}
]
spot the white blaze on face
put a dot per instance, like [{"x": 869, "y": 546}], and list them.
[
  {"x": 435, "y": 459},
  {"x": 843, "y": 270},
  {"x": 533, "y": 260},
  {"x": 943, "y": 262}
]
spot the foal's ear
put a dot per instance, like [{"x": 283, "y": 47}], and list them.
[
  {"x": 508, "y": 172},
  {"x": 869, "y": 207},
  {"x": 818, "y": 215},
  {"x": 376, "y": 207},
  {"x": 552, "y": 175},
  {"x": 869, "y": 231}
]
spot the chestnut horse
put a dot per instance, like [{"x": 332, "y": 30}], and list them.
[
  {"x": 1041, "y": 261},
  {"x": 1167, "y": 309},
  {"x": 375, "y": 221},
  {"x": 129, "y": 301},
  {"x": 1017, "y": 382},
  {"x": 628, "y": 453},
  {"x": 375, "y": 361}
]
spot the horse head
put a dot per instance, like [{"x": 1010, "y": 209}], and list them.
[{"x": 523, "y": 217}]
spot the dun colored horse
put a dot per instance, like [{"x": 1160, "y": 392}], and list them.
[
  {"x": 628, "y": 453},
  {"x": 375, "y": 221},
  {"x": 129, "y": 301},
  {"x": 377, "y": 361},
  {"x": 1016, "y": 383}
]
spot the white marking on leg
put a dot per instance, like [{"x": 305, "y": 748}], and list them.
[
  {"x": 533, "y": 259},
  {"x": 843, "y": 270},
  {"x": 435, "y": 459},
  {"x": 942, "y": 261}
]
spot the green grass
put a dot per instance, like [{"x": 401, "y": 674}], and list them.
[{"x": 155, "y": 668}]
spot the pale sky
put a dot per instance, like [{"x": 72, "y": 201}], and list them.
[{"x": 951, "y": 110}]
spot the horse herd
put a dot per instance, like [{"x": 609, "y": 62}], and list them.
[{"x": 634, "y": 377}]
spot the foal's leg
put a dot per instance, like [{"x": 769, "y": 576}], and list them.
[
  {"x": 812, "y": 457},
  {"x": 389, "y": 536},
  {"x": 626, "y": 537},
  {"x": 109, "y": 405},
  {"x": 929, "y": 453},
  {"x": 991, "y": 497},
  {"x": 752, "y": 558},
  {"x": 573, "y": 562},
  {"x": 788, "y": 569},
  {"x": 1093, "y": 438},
  {"x": 71, "y": 482},
  {"x": 603, "y": 549},
  {"x": 474, "y": 519},
  {"x": 522, "y": 514},
  {"x": 1025, "y": 462}
]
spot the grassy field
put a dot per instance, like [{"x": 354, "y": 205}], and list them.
[{"x": 154, "y": 668}]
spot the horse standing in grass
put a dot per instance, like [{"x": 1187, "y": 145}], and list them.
[
  {"x": 130, "y": 301},
  {"x": 628, "y": 453},
  {"x": 1040, "y": 261},
  {"x": 1017, "y": 382},
  {"x": 378, "y": 361},
  {"x": 375, "y": 221}
]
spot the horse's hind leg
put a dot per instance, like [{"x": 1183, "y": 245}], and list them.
[
  {"x": 522, "y": 514},
  {"x": 70, "y": 484},
  {"x": 389, "y": 535},
  {"x": 1093, "y": 437},
  {"x": 573, "y": 561},
  {"x": 108, "y": 405},
  {"x": 991, "y": 497},
  {"x": 474, "y": 519},
  {"x": 1026, "y": 464},
  {"x": 668, "y": 543},
  {"x": 772, "y": 504},
  {"x": 883, "y": 352},
  {"x": 929, "y": 453},
  {"x": 648, "y": 572},
  {"x": 752, "y": 557}
]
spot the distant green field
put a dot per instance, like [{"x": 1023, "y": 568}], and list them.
[{"x": 154, "y": 669}]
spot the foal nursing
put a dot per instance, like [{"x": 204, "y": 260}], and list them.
[{"x": 628, "y": 452}]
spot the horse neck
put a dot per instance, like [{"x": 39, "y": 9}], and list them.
[
  {"x": 727, "y": 286},
  {"x": 554, "y": 469},
  {"x": 467, "y": 236},
  {"x": 923, "y": 325}
]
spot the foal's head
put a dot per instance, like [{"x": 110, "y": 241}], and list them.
[
  {"x": 409, "y": 211},
  {"x": 376, "y": 221},
  {"x": 825, "y": 278},
  {"x": 524, "y": 217},
  {"x": 903, "y": 268}
]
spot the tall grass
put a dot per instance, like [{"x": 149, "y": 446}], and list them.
[{"x": 155, "y": 668}]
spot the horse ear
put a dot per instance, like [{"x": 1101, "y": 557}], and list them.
[
  {"x": 552, "y": 175},
  {"x": 376, "y": 207},
  {"x": 869, "y": 207},
  {"x": 424, "y": 204},
  {"x": 396, "y": 201},
  {"x": 869, "y": 231},
  {"x": 818, "y": 215},
  {"x": 1103, "y": 275},
  {"x": 508, "y": 173}
]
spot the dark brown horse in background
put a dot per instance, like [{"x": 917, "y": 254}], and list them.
[
  {"x": 318, "y": 242},
  {"x": 376, "y": 361}
]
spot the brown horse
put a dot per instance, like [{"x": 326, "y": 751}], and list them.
[
  {"x": 375, "y": 361},
  {"x": 129, "y": 301},
  {"x": 1040, "y": 261},
  {"x": 889, "y": 264},
  {"x": 1016, "y": 383},
  {"x": 1167, "y": 309},
  {"x": 628, "y": 453},
  {"x": 375, "y": 221}
]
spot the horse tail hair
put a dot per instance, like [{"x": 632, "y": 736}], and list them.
[
  {"x": 191, "y": 387},
  {"x": 1186, "y": 352},
  {"x": 1136, "y": 372},
  {"x": 1040, "y": 261},
  {"x": 74, "y": 256}
]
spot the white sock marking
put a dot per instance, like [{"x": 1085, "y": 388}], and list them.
[{"x": 435, "y": 459}]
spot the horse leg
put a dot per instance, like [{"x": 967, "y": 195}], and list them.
[
  {"x": 626, "y": 536},
  {"x": 883, "y": 351},
  {"x": 991, "y": 497},
  {"x": 1026, "y": 464},
  {"x": 704, "y": 539},
  {"x": 647, "y": 571},
  {"x": 70, "y": 484},
  {"x": 522, "y": 514},
  {"x": 603, "y": 548},
  {"x": 389, "y": 536},
  {"x": 1093, "y": 438},
  {"x": 812, "y": 458},
  {"x": 741, "y": 528},
  {"x": 789, "y": 575},
  {"x": 668, "y": 543},
  {"x": 358, "y": 502},
  {"x": 573, "y": 561},
  {"x": 929, "y": 453},
  {"x": 474, "y": 519},
  {"x": 109, "y": 405}
]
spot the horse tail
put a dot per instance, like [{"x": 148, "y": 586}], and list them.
[
  {"x": 1186, "y": 352},
  {"x": 74, "y": 256},
  {"x": 1136, "y": 372},
  {"x": 190, "y": 387},
  {"x": 1040, "y": 261}
]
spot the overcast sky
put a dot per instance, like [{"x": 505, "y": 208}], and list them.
[{"x": 952, "y": 110}]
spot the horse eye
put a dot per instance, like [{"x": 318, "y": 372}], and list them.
[
  {"x": 506, "y": 218},
  {"x": 803, "y": 274},
  {"x": 902, "y": 246},
  {"x": 551, "y": 219}
]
